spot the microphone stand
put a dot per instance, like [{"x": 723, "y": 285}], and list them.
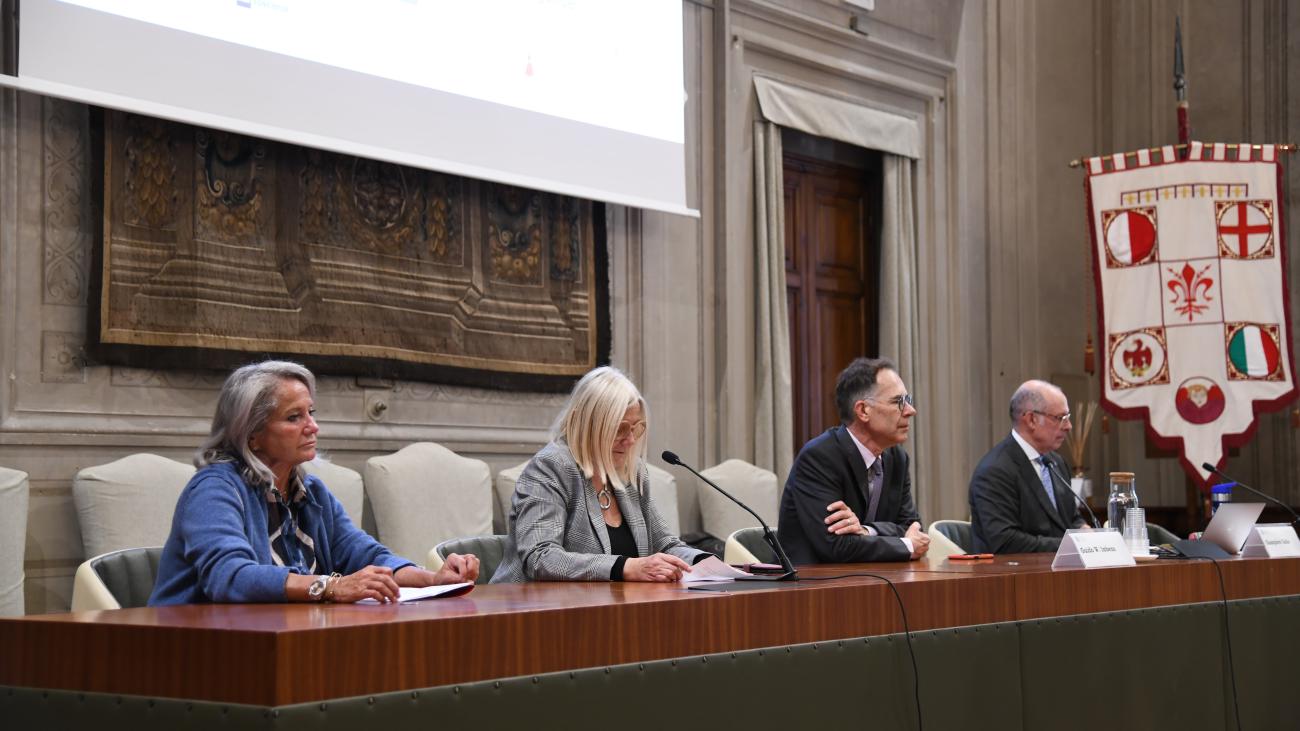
[
  {"x": 1051, "y": 465},
  {"x": 790, "y": 573},
  {"x": 1295, "y": 518}
]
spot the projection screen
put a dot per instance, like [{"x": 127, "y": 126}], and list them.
[{"x": 579, "y": 97}]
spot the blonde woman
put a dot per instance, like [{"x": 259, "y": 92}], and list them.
[{"x": 581, "y": 509}]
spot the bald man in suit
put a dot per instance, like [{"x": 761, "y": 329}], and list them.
[{"x": 1019, "y": 500}]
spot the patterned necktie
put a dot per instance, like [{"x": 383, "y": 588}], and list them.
[
  {"x": 1046, "y": 476},
  {"x": 875, "y": 484}
]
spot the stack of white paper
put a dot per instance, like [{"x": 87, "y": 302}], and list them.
[
  {"x": 407, "y": 594},
  {"x": 712, "y": 569}
]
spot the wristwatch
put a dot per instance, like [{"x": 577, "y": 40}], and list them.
[{"x": 316, "y": 592}]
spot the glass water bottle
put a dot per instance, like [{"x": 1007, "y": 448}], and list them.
[{"x": 1123, "y": 495}]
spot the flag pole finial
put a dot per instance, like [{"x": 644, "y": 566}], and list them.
[{"x": 1180, "y": 90}]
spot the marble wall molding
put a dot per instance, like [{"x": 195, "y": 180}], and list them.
[{"x": 812, "y": 50}]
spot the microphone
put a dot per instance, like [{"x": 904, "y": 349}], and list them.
[
  {"x": 1211, "y": 468},
  {"x": 1052, "y": 466},
  {"x": 790, "y": 574}
]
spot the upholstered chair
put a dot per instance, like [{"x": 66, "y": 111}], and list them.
[
  {"x": 754, "y": 486},
  {"x": 345, "y": 484},
  {"x": 425, "y": 494},
  {"x": 128, "y": 503},
  {"x": 14, "y": 492}
]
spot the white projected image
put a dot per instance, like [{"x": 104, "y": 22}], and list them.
[{"x": 599, "y": 62}]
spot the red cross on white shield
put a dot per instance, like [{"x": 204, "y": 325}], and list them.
[{"x": 1244, "y": 228}]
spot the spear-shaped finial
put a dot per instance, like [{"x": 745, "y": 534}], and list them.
[
  {"x": 1180, "y": 78},
  {"x": 1180, "y": 89}
]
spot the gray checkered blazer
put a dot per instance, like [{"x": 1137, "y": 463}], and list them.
[{"x": 557, "y": 532}]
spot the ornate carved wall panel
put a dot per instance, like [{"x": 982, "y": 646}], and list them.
[
  {"x": 216, "y": 247},
  {"x": 67, "y": 203}
]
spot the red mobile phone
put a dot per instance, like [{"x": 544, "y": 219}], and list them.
[{"x": 763, "y": 568}]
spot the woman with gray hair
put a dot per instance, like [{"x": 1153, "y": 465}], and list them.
[
  {"x": 581, "y": 509},
  {"x": 253, "y": 526}
]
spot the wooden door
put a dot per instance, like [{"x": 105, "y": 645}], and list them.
[{"x": 831, "y": 250}]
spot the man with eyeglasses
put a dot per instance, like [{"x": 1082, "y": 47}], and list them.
[
  {"x": 1020, "y": 501},
  {"x": 849, "y": 495}
]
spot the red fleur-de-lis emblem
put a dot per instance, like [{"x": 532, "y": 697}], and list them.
[{"x": 1191, "y": 290}]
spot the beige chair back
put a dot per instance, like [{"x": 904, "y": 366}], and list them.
[
  {"x": 663, "y": 493},
  {"x": 754, "y": 486},
  {"x": 425, "y": 494},
  {"x": 14, "y": 494},
  {"x": 345, "y": 484},
  {"x": 128, "y": 503},
  {"x": 505, "y": 493}
]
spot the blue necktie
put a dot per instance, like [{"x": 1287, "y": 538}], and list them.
[{"x": 1046, "y": 476}]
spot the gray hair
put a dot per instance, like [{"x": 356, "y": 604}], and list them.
[
  {"x": 243, "y": 408},
  {"x": 1027, "y": 398}
]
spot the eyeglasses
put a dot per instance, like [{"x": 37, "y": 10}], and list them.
[
  {"x": 625, "y": 430},
  {"x": 902, "y": 402},
  {"x": 1059, "y": 419}
]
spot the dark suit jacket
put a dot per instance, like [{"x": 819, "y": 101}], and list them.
[
  {"x": 1009, "y": 510},
  {"x": 830, "y": 468}
]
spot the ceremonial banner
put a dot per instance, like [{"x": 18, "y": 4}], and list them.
[{"x": 1192, "y": 302}]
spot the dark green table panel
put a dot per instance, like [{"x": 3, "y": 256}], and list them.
[
  {"x": 1267, "y": 661},
  {"x": 1138, "y": 670},
  {"x": 970, "y": 677},
  {"x": 40, "y": 710}
]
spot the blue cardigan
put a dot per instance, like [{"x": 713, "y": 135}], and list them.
[{"x": 219, "y": 549}]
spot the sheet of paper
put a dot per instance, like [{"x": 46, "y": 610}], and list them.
[
  {"x": 407, "y": 594},
  {"x": 712, "y": 569}
]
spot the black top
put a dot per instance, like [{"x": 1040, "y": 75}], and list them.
[{"x": 621, "y": 542}]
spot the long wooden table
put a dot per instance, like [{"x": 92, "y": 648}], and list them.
[{"x": 274, "y": 655}]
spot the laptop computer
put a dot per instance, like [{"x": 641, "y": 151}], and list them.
[{"x": 1231, "y": 524}]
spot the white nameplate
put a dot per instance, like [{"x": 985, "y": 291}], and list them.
[
  {"x": 1091, "y": 549},
  {"x": 1273, "y": 540}
]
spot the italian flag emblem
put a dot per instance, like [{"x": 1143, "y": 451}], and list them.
[{"x": 1253, "y": 352}]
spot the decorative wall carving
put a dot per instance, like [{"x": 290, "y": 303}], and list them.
[
  {"x": 63, "y": 358},
  {"x": 218, "y": 245},
  {"x": 66, "y": 202},
  {"x": 416, "y": 391},
  {"x": 328, "y": 384},
  {"x": 148, "y": 378}
]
